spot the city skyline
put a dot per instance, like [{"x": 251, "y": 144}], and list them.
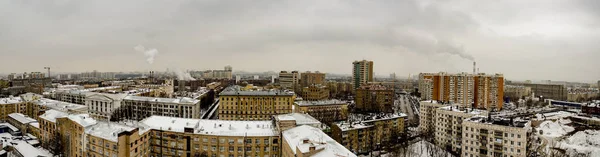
[{"x": 554, "y": 41}]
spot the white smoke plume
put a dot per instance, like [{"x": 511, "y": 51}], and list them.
[
  {"x": 149, "y": 53},
  {"x": 183, "y": 75}
]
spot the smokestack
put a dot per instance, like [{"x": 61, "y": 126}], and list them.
[{"x": 474, "y": 67}]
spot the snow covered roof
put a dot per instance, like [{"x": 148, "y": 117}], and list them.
[
  {"x": 300, "y": 118},
  {"x": 346, "y": 126},
  {"x": 107, "y": 130},
  {"x": 181, "y": 100},
  {"x": 83, "y": 119},
  {"x": 582, "y": 142},
  {"x": 321, "y": 102},
  {"x": 304, "y": 137},
  {"x": 21, "y": 118},
  {"x": 555, "y": 129},
  {"x": 10, "y": 126},
  {"x": 212, "y": 127},
  {"x": 35, "y": 124},
  {"x": 59, "y": 105},
  {"x": 10, "y": 100},
  {"x": 23, "y": 147},
  {"x": 236, "y": 90},
  {"x": 456, "y": 108},
  {"x": 51, "y": 115},
  {"x": 500, "y": 121}
]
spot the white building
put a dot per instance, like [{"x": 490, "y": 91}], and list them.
[
  {"x": 102, "y": 105},
  {"x": 448, "y": 125},
  {"x": 143, "y": 107},
  {"x": 494, "y": 137},
  {"x": 310, "y": 141}
]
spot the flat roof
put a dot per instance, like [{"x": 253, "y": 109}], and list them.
[
  {"x": 499, "y": 121},
  {"x": 24, "y": 147},
  {"x": 59, "y": 105},
  {"x": 52, "y": 114},
  {"x": 10, "y": 100},
  {"x": 107, "y": 130},
  {"x": 303, "y": 137},
  {"x": 300, "y": 118},
  {"x": 21, "y": 118},
  {"x": 82, "y": 119},
  {"x": 236, "y": 90},
  {"x": 321, "y": 102},
  {"x": 212, "y": 127},
  {"x": 180, "y": 100}
]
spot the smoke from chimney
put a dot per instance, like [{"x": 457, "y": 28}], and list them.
[
  {"x": 149, "y": 53},
  {"x": 183, "y": 75}
]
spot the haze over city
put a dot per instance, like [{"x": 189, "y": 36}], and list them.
[{"x": 538, "y": 39}]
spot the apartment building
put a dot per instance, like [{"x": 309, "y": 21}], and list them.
[
  {"x": 374, "y": 98},
  {"x": 548, "y": 91},
  {"x": 305, "y": 141},
  {"x": 23, "y": 122},
  {"x": 427, "y": 112},
  {"x": 309, "y": 78},
  {"x": 448, "y": 125},
  {"x": 324, "y": 110},
  {"x": 483, "y": 136},
  {"x": 239, "y": 104},
  {"x": 138, "y": 108},
  {"x": 362, "y": 73},
  {"x": 48, "y": 127},
  {"x": 287, "y": 121},
  {"x": 517, "y": 92},
  {"x": 362, "y": 133},
  {"x": 72, "y": 96},
  {"x": 11, "y": 105},
  {"x": 315, "y": 92},
  {"x": 289, "y": 80},
  {"x": 478, "y": 90}
]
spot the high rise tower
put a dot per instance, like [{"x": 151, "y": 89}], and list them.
[{"x": 362, "y": 72}]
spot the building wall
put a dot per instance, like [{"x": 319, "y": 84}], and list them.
[
  {"x": 374, "y": 99},
  {"x": 7, "y": 109},
  {"x": 325, "y": 113},
  {"x": 549, "y": 91},
  {"x": 289, "y": 80},
  {"x": 364, "y": 139},
  {"x": 309, "y": 78},
  {"x": 254, "y": 107},
  {"x": 315, "y": 92},
  {"x": 73, "y": 136},
  {"x": 362, "y": 72},
  {"x": 427, "y": 120},
  {"x": 448, "y": 128},
  {"x": 484, "y": 91},
  {"x": 496, "y": 140},
  {"x": 143, "y": 109}
]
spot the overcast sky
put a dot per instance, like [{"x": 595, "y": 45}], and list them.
[{"x": 533, "y": 39}]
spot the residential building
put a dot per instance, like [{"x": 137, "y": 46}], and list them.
[
  {"x": 287, "y": 121},
  {"x": 138, "y": 108},
  {"x": 289, "y": 80},
  {"x": 22, "y": 122},
  {"x": 448, "y": 125},
  {"x": 478, "y": 90},
  {"x": 307, "y": 141},
  {"x": 362, "y": 133},
  {"x": 35, "y": 108},
  {"x": 315, "y": 92},
  {"x": 374, "y": 98},
  {"x": 238, "y": 104},
  {"x": 483, "y": 136},
  {"x": 324, "y": 110},
  {"x": 102, "y": 105},
  {"x": 48, "y": 127},
  {"x": 427, "y": 112},
  {"x": 362, "y": 73},
  {"x": 11, "y": 105},
  {"x": 309, "y": 78},
  {"x": 548, "y": 91},
  {"x": 517, "y": 92}
]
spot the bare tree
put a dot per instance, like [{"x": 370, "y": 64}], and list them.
[{"x": 56, "y": 146}]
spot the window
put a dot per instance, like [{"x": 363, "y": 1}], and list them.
[
  {"x": 214, "y": 148},
  {"x": 204, "y": 140},
  {"x": 257, "y": 141},
  {"x": 249, "y": 141}
]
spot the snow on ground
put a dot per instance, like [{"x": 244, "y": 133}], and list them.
[
  {"x": 554, "y": 115},
  {"x": 421, "y": 149},
  {"x": 583, "y": 142},
  {"x": 555, "y": 129}
]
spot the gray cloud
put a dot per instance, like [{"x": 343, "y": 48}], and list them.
[{"x": 505, "y": 37}]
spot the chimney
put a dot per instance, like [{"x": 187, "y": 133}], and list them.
[{"x": 305, "y": 141}]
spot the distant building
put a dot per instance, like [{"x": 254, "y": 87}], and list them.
[
  {"x": 289, "y": 80},
  {"x": 549, "y": 91},
  {"x": 324, "y": 110},
  {"x": 239, "y": 104},
  {"x": 374, "y": 98},
  {"x": 291, "y": 120},
  {"x": 362, "y": 73},
  {"x": 362, "y": 133},
  {"x": 315, "y": 92},
  {"x": 310, "y": 78},
  {"x": 480, "y": 90},
  {"x": 517, "y": 92}
]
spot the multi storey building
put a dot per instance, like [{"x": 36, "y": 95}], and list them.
[
  {"x": 315, "y": 92},
  {"x": 289, "y": 80},
  {"x": 102, "y": 105},
  {"x": 138, "y": 108},
  {"x": 238, "y": 104},
  {"x": 548, "y": 91},
  {"x": 48, "y": 128},
  {"x": 483, "y": 136},
  {"x": 308, "y": 78},
  {"x": 287, "y": 121},
  {"x": 324, "y": 110},
  {"x": 480, "y": 90},
  {"x": 11, "y": 105},
  {"x": 305, "y": 141},
  {"x": 517, "y": 92},
  {"x": 448, "y": 126},
  {"x": 427, "y": 111},
  {"x": 362, "y": 73},
  {"x": 364, "y": 132},
  {"x": 374, "y": 98}
]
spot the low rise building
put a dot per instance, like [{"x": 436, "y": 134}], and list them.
[
  {"x": 374, "y": 98},
  {"x": 22, "y": 122},
  {"x": 315, "y": 92},
  {"x": 238, "y": 104},
  {"x": 483, "y": 136},
  {"x": 323, "y": 110},
  {"x": 363, "y": 133},
  {"x": 307, "y": 141}
]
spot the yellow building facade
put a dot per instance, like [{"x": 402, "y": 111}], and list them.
[{"x": 238, "y": 104}]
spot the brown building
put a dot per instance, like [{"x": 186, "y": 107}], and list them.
[
  {"x": 237, "y": 103},
  {"x": 481, "y": 90},
  {"x": 308, "y": 78},
  {"x": 324, "y": 110},
  {"x": 363, "y": 132},
  {"x": 374, "y": 98},
  {"x": 315, "y": 92},
  {"x": 549, "y": 91}
]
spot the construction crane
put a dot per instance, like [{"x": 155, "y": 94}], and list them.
[{"x": 48, "y": 71}]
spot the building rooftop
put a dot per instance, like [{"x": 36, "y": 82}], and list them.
[
  {"x": 83, "y": 119},
  {"x": 23, "y": 146},
  {"x": 107, "y": 130},
  {"x": 321, "y": 102},
  {"x": 456, "y": 108},
  {"x": 301, "y": 119},
  {"x": 181, "y": 100},
  {"x": 360, "y": 121},
  {"x": 10, "y": 100},
  {"x": 304, "y": 137},
  {"x": 59, "y": 105},
  {"x": 212, "y": 127},
  {"x": 373, "y": 86},
  {"x": 499, "y": 121},
  {"x": 52, "y": 114},
  {"x": 21, "y": 118},
  {"x": 237, "y": 90}
]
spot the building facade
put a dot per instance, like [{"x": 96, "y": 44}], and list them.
[
  {"x": 325, "y": 110},
  {"x": 374, "y": 98},
  {"x": 494, "y": 137},
  {"x": 102, "y": 105},
  {"x": 549, "y": 91},
  {"x": 236, "y": 103},
  {"x": 478, "y": 90},
  {"x": 363, "y": 132},
  {"x": 448, "y": 126},
  {"x": 362, "y": 73},
  {"x": 517, "y": 92},
  {"x": 309, "y": 78},
  {"x": 289, "y": 80},
  {"x": 138, "y": 108},
  {"x": 427, "y": 112},
  {"x": 315, "y": 92}
]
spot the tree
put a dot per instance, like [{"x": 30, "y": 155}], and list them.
[{"x": 56, "y": 146}]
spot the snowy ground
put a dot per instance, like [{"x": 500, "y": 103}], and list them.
[
  {"x": 586, "y": 143},
  {"x": 552, "y": 129},
  {"x": 420, "y": 149}
]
